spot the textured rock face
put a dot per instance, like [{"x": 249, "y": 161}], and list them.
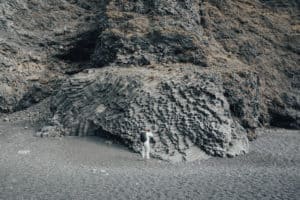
[
  {"x": 265, "y": 42},
  {"x": 155, "y": 32},
  {"x": 243, "y": 92},
  {"x": 188, "y": 113},
  {"x": 32, "y": 34},
  {"x": 213, "y": 34},
  {"x": 42, "y": 41},
  {"x": 242, "y": 58}
]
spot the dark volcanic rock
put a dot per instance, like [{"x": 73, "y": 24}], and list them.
[
  {"x": 32, "y": 34},
  {"x": 208, "y": 34},
  {"x": 243, "y": 92},
  {"x": 35, "y": 94},
  {"x": 188, "y": 113},
  {"x": 259, "y": 35},
  {"x": 142, "y": 33},
  {"x": 240, "y": 61}
]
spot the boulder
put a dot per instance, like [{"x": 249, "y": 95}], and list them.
[{"x": 187, "y": 112}]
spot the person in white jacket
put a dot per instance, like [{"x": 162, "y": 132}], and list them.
[{"x": 145, "y": 139}]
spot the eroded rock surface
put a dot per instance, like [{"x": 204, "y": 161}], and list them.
[
  {"x": 155, "y": 32},
  {"x": 35, "y": 39},
  {"x": 202, "y": 73},
  {"x": 188, "y": 113},
  {"x": 259, "y": 35}
]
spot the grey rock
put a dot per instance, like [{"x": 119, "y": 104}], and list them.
[
  {"x": 182, "y": 112},
  {"x": 50, "y": 131},
  {"x": 31, "y": 35},
  {"x": 143, "y": 33},
  {"x": 6, "y": 119},
  {"x": 35, "y": 55},
  {"x": 245, "y": 63}
]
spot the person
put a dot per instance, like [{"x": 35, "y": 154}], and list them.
[{"x": 145, "y": 140}]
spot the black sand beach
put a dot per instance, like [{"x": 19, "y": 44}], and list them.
[
  {"x": 89, "y": 168},
  {"x": 198, "y": 74}
]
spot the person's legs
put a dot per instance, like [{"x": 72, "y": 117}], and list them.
[
  {"x": 143, "y": 151},
  {"x": 147, "y": 148}
]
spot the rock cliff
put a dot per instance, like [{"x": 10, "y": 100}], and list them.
[
  {"x": 34, "y": 36},
  {"x": 185, "y": 108},
  {"x": 203, "y": 74}
]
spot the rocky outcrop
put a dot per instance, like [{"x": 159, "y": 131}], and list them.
[
  {"x": 213, "y": 34},
  {"x": 141, "y": 33},
  {"x": 34, "y": 37},
  {"x": 258, "y": 34},
  {"x": 218, "y": 69},
  {"x": 243, "y": 93},
  {"x": 189, "y": 114},
  {"x": 42, "y": 41}
]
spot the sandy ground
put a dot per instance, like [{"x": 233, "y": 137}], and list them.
[{"x": 89, "y": 168}]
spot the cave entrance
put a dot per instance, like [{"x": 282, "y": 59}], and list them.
[
  {"x": 100, "y": 132},
  {"x": 81, "y": 48},
  {"x": 282, "y": 121},
  {"x": 78, "y": 51}
]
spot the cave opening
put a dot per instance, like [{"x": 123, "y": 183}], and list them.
[
  {"x": 82, "y": 48},
  {"x": 116, "y": 139},
  {"x": 283, "y": 121}
]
